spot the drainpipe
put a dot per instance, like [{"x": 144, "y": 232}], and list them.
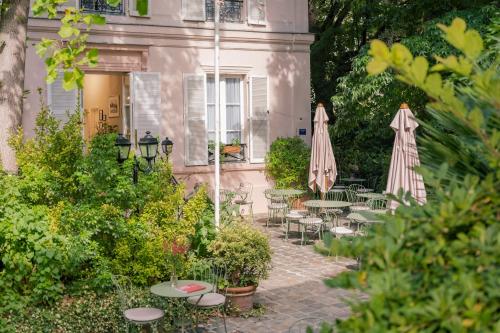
[{"x": 217, "y": 111}]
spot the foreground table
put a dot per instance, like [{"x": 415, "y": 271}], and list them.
[
  {"x": 367, "y": 216},
  {"x": 326, "y": 204},
  {"x": 165, "y": 289},
  {"x": 286, "y": 193}
]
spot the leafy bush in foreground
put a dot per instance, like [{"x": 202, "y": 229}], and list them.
[{"x": 436, "y": 268}]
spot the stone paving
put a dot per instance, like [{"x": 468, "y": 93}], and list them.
[{"x": 295, "y": 288}]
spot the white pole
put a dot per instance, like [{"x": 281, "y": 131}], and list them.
[{"x": 217, "y": 112}]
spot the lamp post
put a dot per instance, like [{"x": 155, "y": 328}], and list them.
[
  {"x": 167, "y": 146},
  {"x": 148, "y": 146}
]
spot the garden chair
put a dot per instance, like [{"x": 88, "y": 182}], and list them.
[
  {"x": 296, "y": 211},
  {"x": 338, "y": 228},
  {"x": 357, "y": 203},
  {"x": 276, "y": 207},
  {"x": 215, "y": 273},
  {"x": 311, "y": 223},
  {"x": 377, "y": 204},
  {"x": 356, "y": 187},
  {"x": 335, "y": 195},
  {"x": 245, "y": 194},
  {"x": 141, "y": 316}
]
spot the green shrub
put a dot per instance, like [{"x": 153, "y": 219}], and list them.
[
  {"x": 245, "y": 251},
  {"x": 435, "y": 268},
  {"x": 287, "y": 162}
]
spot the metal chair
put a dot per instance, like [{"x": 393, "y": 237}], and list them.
[
  {"x": 215, "y": 273},
  {"x": 276, "y": 206},
  {"x": 357, "y": 203},
  {"x": 356, "y": 187},
  {"x": 245, "y": 193},
  {"x": 296, "y": 211},
  {"x": 140, "y": 316},
  {"x": 377, "y": 204},
  {"x": 338, "y": 228}
]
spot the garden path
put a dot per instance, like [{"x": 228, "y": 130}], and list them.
[{"x": 295, "y": 288}]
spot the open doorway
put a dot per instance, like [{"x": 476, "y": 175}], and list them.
[{"x": 106, "y": 104}]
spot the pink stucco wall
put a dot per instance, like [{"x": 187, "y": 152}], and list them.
[{"x": 166, "y": 44}]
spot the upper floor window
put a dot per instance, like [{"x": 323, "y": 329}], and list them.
[
  {"x": 230, "y": 10},
  {"x": 101, "y": 7}
]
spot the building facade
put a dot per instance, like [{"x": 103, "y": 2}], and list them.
[{"x": 155, "y": 73}]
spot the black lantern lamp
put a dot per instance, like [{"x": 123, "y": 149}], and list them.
[
  {"x": 167, "y": 146},
  {"x": 148, "y": 145},
  {"x": 123, "y": 148}
]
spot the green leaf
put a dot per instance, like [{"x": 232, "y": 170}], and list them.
[
  {"x": 473, "y": 44},
  {"x": 142, "y": 7},
  {"x": 433, "y": 83},
  {"x": 378, "y": 49},
  {"x": 66, "y": 31},
  {"x": 476, "y": 118},
  {"x": 376, "y": 66},
  {"x": 113, "y": 3},
  {"x": 419, "y": 69},
  {"x": 400, "y": 54},
  {"x": 69, "y": 81}
]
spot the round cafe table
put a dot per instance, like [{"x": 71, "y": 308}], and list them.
[
  {"x": 286, "y": 192},
  {"x": 326, "y": 204},
  {"x": 371, "y": 195},
  {"x": 353, "y": 180},
  {"x": 165, "y": 289}
]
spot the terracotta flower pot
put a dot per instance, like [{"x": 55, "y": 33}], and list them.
[
  {"x": 231, "y": 149},
  {"x": 241, "y": 297}
]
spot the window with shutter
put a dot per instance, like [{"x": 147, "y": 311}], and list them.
[
  {"x": 146, "y": 100},
  {"x": 257, "y": 12},
  {"x": 193, "y": 10},
  {"x": 61, "y": 102},
  {"x": 140, "y": 8},
  {"x": 195, "y": 120},
  {"x": 259, "y": 119}
]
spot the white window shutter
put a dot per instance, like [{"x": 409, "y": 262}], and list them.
[
  {"x": 61, "y": 102},
  {"x": 259, "y": 119},
  {"x": 133, "y": 10},
  {"x": 257, "y": 12},
  {"x": 195, "y": 120},
  {"x": 194, "y": 10},
  {"x": 146, "y": 100}
]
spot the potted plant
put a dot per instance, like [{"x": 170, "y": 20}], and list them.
[
  {"x": 233, "y": 148},
  {"x": 246, "y": 254}
]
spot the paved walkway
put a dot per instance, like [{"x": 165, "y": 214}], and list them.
[{"x": 295, "y": 288}]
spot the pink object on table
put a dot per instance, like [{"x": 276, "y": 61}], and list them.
[{"x": 190, "y": 288}]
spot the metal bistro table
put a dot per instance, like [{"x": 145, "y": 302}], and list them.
[
  {"x": 326, "y": 204},
  {"x": 371, "y": 195},
  {"x": 367, "y": 216},
  {"x": 286, "y": 193},
  {"x": 353, "y": 180},
  {"x": 165, "y": 289}
]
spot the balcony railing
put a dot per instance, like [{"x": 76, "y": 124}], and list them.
[
  {"x": 230, "y": 10},
  {"x": 101, "y": 7},
  {"x": 229, "y": 155}
]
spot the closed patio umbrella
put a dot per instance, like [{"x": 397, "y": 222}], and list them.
[
  {"x": 322, "y": 170},
  {"x": 402, "y": 174}
]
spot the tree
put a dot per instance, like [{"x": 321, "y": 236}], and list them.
[{"x": 13, "y": 32}]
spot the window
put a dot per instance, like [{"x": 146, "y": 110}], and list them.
[
  {"x": 231, "y": 109},
  {"x": 101, "y": 7},
  {"x": 230, "y": 10}
]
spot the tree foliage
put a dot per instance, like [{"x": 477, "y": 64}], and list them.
[
  {"x": 365, "y": 105},
  {"x": 435, "y": 268}
]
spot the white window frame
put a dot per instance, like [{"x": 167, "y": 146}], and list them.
[{"x": 223, "y": 106}]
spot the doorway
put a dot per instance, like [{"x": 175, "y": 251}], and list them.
[{"x": 106, "y": 104}]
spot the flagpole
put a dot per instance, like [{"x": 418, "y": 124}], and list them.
[{"x": 217, "y": 111}]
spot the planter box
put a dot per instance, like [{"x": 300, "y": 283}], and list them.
[{"x": 231, "y": 149}]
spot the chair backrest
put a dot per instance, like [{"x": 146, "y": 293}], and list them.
[
  {"x": 302, "y": 325},
  {"x": 351, "y": 196},
  {"x": 123, "y": 287},
  {"x": 331, "y": 219},
  {"x": 377, "y": 203},
  {"x": 272, "y": 197},
  {"x": 226, "y": 196},
  {"x": 356, "y": 187},
  {"x": 212, "y": 271},
  {"x": 335, "y": 195},
  {"x": 246, "y": 188}
]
